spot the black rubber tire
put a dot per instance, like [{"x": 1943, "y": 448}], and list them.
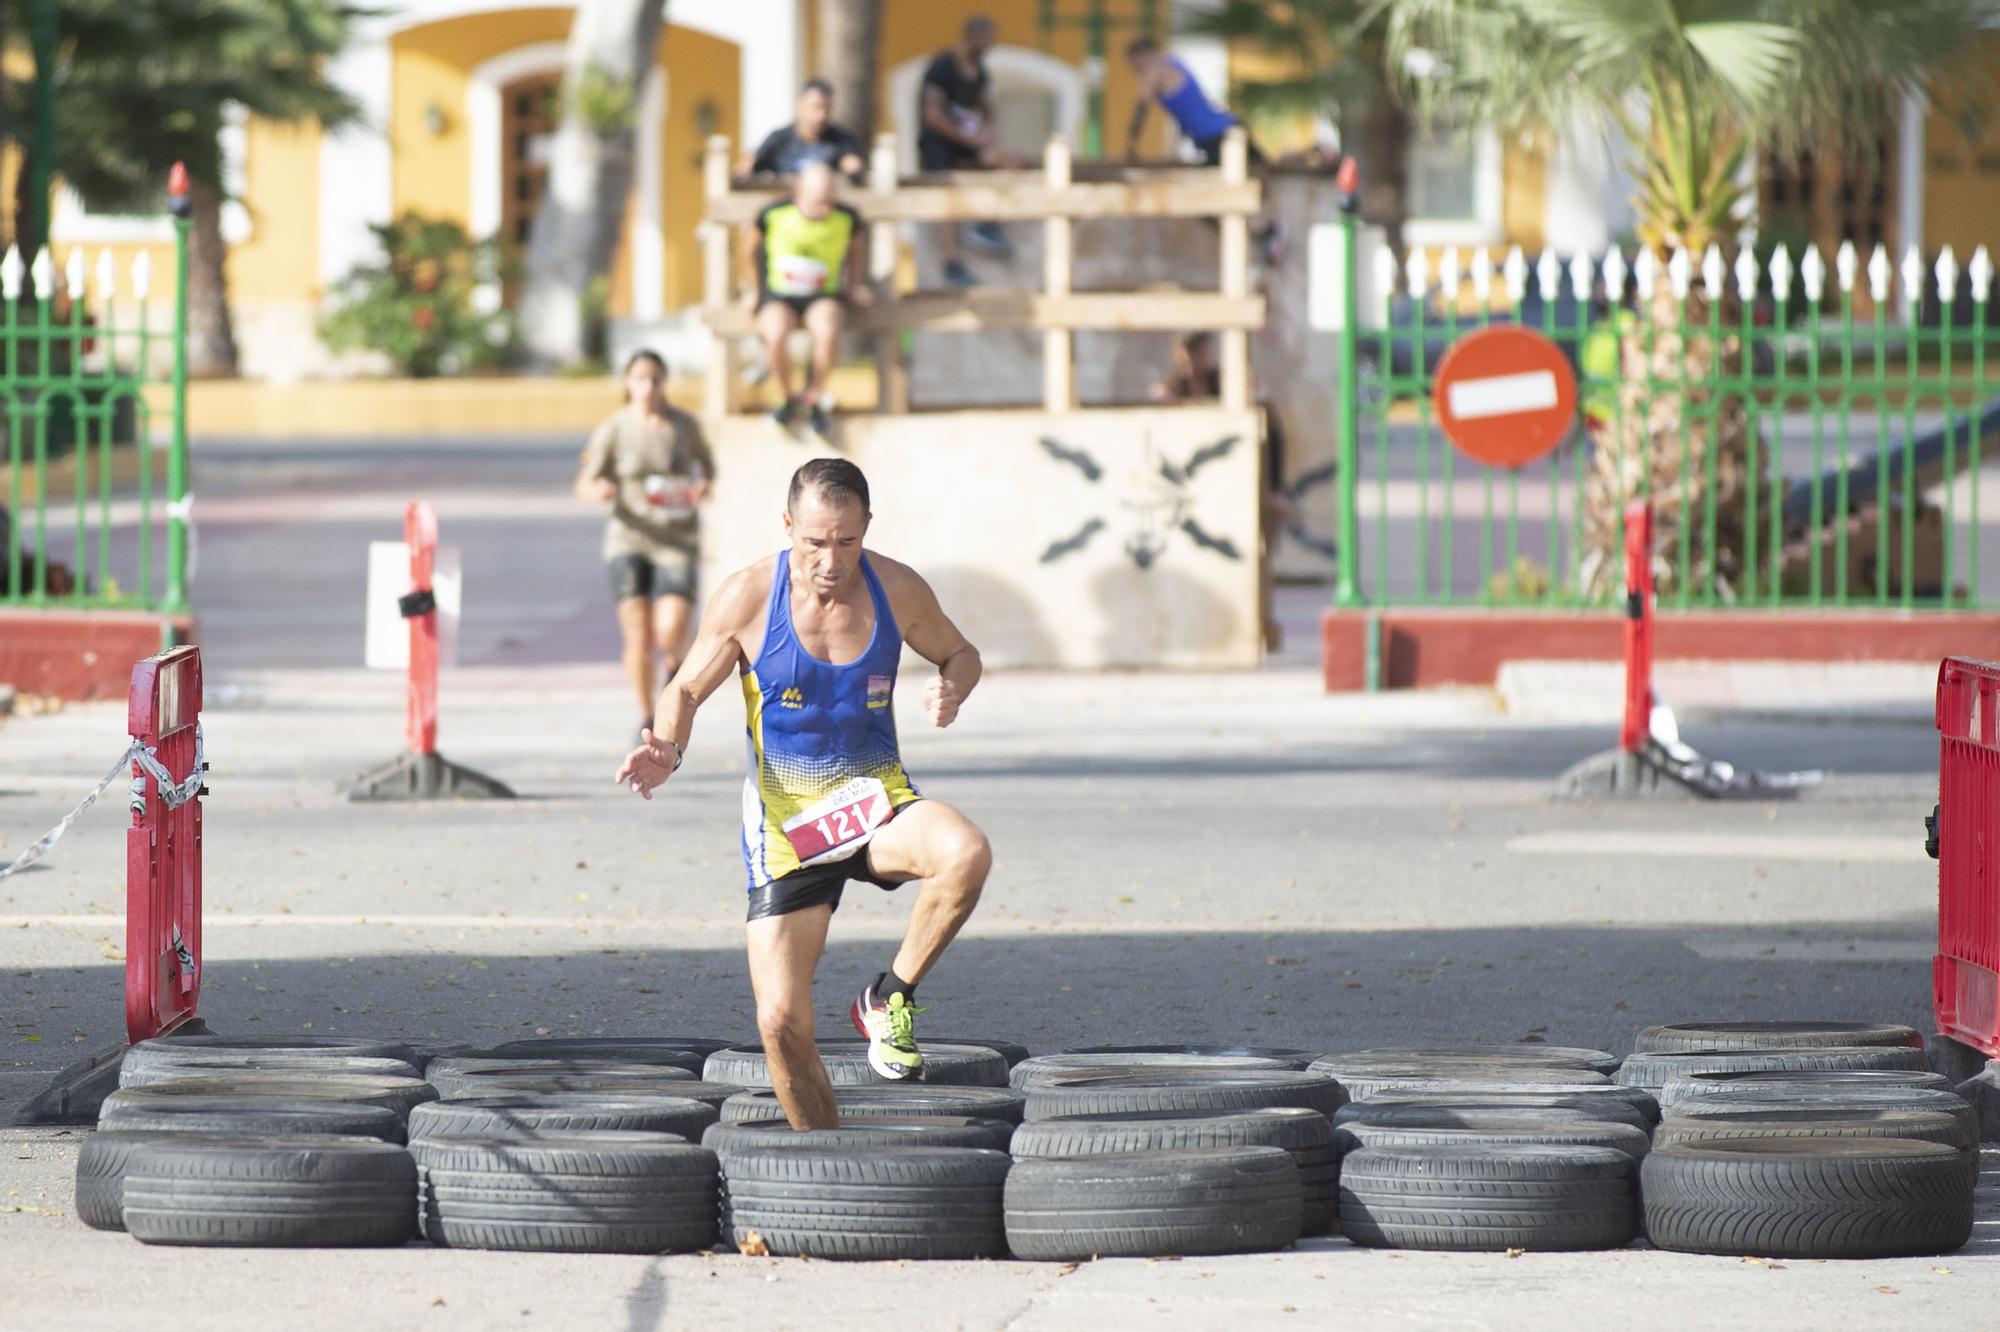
[
  {"x": 556, "y": 1115},
  {"x": 1523, "y": 1131},
  {"x": 687, "y": 1061},
  {"x": 725, "y": 1140},
  {"x": 1804, "y": 1082},
  {"x": 245, "y": 1051},
  {"x": 1306, "y": 1134},
  {"x": 651, "y": 1082},
  {"x": 1042, "y": 1068},
  {"x": 1693, "y": 1037},
  {"x": 1182, "y": 1089},
  {"x": 1558, "y": 1056},
  {"x": 100, "y": 1171},
  {"x": 285, "y": 1192},
  {"x": 400, "y": 1094},
  {"x": 265, "y": 1065},
  {"x": 1482, "y": 1198},
  {"x": 630, "y": 1049},
  {"x": 846, "y": 1061},
  {"x": 1155, "y": 1204},
  {"x": 457, "y": 1077},
  {"x": 1466, "y": 1109},
  {"x": 1655, "y": 1071},
  {"x": 1810, "y": 1197},
  {"x": 899, "y": 1202},
  {"x": 905, "y": 1099},
  {"x": 1284, "y": 1055},
  {"x": 1811, "y": 1122},
  {"x": 1008, "y": 1050},
  {"x": 1766, "y": 1100},
  {"x": 251, "y": 1117},
  {"x": 1636, "y": 1099},
  {"x": 589, "y": 1193}
]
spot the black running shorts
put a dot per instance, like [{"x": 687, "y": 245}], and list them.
[{"x": 816, "y": 885}]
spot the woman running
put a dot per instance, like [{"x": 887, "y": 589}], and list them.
[{"x": 650, "y": 461}]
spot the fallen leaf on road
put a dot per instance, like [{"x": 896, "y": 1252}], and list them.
[
  {"x": 1515, "y": 1253},
  {"x": 752, "y": 1245},
  {"x": 1887, "y": 1290},
  {"x": 438, "y": 1303},
  {"x": 1942, "y": 1271}
]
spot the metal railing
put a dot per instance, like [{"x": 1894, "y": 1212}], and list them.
[
  {"x": 1811, "y": 438},
  {"x": 94, "y": 517}
]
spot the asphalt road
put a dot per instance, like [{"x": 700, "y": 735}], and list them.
[{"x": 1186, "y": 858}]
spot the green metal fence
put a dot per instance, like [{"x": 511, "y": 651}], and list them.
[
  {"x": 1809, "y": 438},
  {"x": 96, "y": 514}
]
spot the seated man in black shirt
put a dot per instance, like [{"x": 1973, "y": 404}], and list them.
[
  {"x": 811, "y": 137},
  {"x": 958, "y": 134}
]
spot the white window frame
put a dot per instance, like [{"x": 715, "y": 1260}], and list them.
[
  {"x": 1486, "y": 226},
  {"x": 73, "y": 223}
]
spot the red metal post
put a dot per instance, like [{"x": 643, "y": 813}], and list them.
[
  {"x": 163, "y": 850},
  {"x": 420, "y": 532},
  {"x": 1965, "y": 973},
  {"x": 1638, "y": 627}
]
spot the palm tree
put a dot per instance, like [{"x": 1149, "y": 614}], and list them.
[
  {"x": 142, "y": 86},
  {"x": 1335, "y": 49},
  {"x": 613, "y": 45},
  {"x": 1695, "y": 87},
  {"x": 850, "y": 47}
]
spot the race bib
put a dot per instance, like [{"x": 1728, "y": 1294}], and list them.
[
  {"x": 841, "y": 824},
  {"x": 797, "y": 275},
  {"x": 669, "y": 496}
]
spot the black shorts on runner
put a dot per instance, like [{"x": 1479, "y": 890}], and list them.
[
  {"x": 642, "y": 576},
  {"x": 814, "y": 885},
  {"x": 799, "y": 304},
  {"x": 1211, "y": 151},
  {"x": 937, "y": 153}
]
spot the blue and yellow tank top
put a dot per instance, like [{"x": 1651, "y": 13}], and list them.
[{"x": 816, "y": 734}]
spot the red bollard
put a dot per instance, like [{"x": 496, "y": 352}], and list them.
[
  {"x": 420, "y": 533},
  {"x": 1965, "y": 973},
  {"x": 1638, "y": 721},
  {"x": 163, "y": 846}
]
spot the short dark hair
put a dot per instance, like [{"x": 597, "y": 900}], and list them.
[
  {"x": 824, "y": 87},
  {"x": 1143, "y": 44},
  {"x": 834, "y": 480},
  {"x": 981, "y": 25},
  {"x": 646, "y": 354}
]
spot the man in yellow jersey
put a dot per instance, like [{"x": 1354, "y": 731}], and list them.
[
  {"x": 806, "y": 262},
  {"x": 814, "y": 634}
]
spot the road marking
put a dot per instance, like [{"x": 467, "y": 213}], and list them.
[
  {"x": 1503, "y": 395},
  {"x": 1730, "y": 846}
]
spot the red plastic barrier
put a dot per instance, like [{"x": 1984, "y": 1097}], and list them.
[
  {"x": 1638, "y": 627},
  {"x": 420, "y": 533},
  {"x": 163, "y": 849},
  {"x": 1965, "y": 974}
]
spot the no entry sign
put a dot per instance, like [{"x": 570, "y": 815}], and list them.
[{"x": 1505, "y": 396}]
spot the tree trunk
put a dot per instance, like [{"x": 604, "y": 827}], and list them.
[
  {"x": 850, "y": 40},
  {"x": 1659, "y": 443},
  {"x": 211, "y": 347},
  {"x": 1379, "y": 143},
  {"x": 612, "y": 51}
]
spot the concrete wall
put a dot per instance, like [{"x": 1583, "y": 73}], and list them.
[{"x": 1137, "y": 546}]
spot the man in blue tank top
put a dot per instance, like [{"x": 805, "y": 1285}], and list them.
[
  {"x": 813, "y": 635},
  {"x": 1166, "y": 79}
]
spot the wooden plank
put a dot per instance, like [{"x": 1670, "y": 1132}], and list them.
[
  {"x": 994, "y": 197},
  {"x": 985, "y": 309},
  {"x": 1058, "y": 350},
  {"x": 1233, "y": 344}
]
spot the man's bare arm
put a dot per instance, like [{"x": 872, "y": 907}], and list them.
[
  {"x": 937, "y": 119},
  {"x": 932, "y": 636}
]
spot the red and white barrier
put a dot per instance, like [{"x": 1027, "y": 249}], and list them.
[{"x": 163, "y": 845}]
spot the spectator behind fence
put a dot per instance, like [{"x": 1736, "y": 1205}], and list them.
[
  {"x": 805, "y": 265},
  {"x": 1197, "y": 377},
  {"x": 811, "y": 137},
  {"x": 956, "y": 114}
]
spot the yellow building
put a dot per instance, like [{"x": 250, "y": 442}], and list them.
[{"x": 457, "y": 100}]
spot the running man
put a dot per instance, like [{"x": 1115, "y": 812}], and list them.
[
  {"x": 1167, "y": 79},
  {"x": 814, "y": 634},
  {"x": 806, "y": 261}
]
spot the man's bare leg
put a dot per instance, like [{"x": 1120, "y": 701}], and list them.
[
  {"x": 775, "y": 322},
  {"x": 934, "y": 842},
  {"x": 824, "y": 320},
  {"x": 784, "y": 952}
]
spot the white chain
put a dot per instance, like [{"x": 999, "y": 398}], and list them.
[{"x": 173, "y": 794}]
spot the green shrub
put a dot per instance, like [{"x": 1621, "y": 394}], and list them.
[{"x": 416, "y": 305}]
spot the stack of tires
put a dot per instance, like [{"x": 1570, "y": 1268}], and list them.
[
  {"x": 1792, "y": 1140},
  {"x": 1488, "y": 1148}
]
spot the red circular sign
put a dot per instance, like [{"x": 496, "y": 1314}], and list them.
[{"x": 1505, "y": 396}]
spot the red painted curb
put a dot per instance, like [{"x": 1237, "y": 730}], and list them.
[
  {"x": 1421, "y": 648},
  {"x": 80, "y": 655}
]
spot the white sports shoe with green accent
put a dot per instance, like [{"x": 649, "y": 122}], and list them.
[{"x": 891, "y": 1031}]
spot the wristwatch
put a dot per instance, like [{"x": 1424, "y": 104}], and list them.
[{"x": 680, "y": 755}]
